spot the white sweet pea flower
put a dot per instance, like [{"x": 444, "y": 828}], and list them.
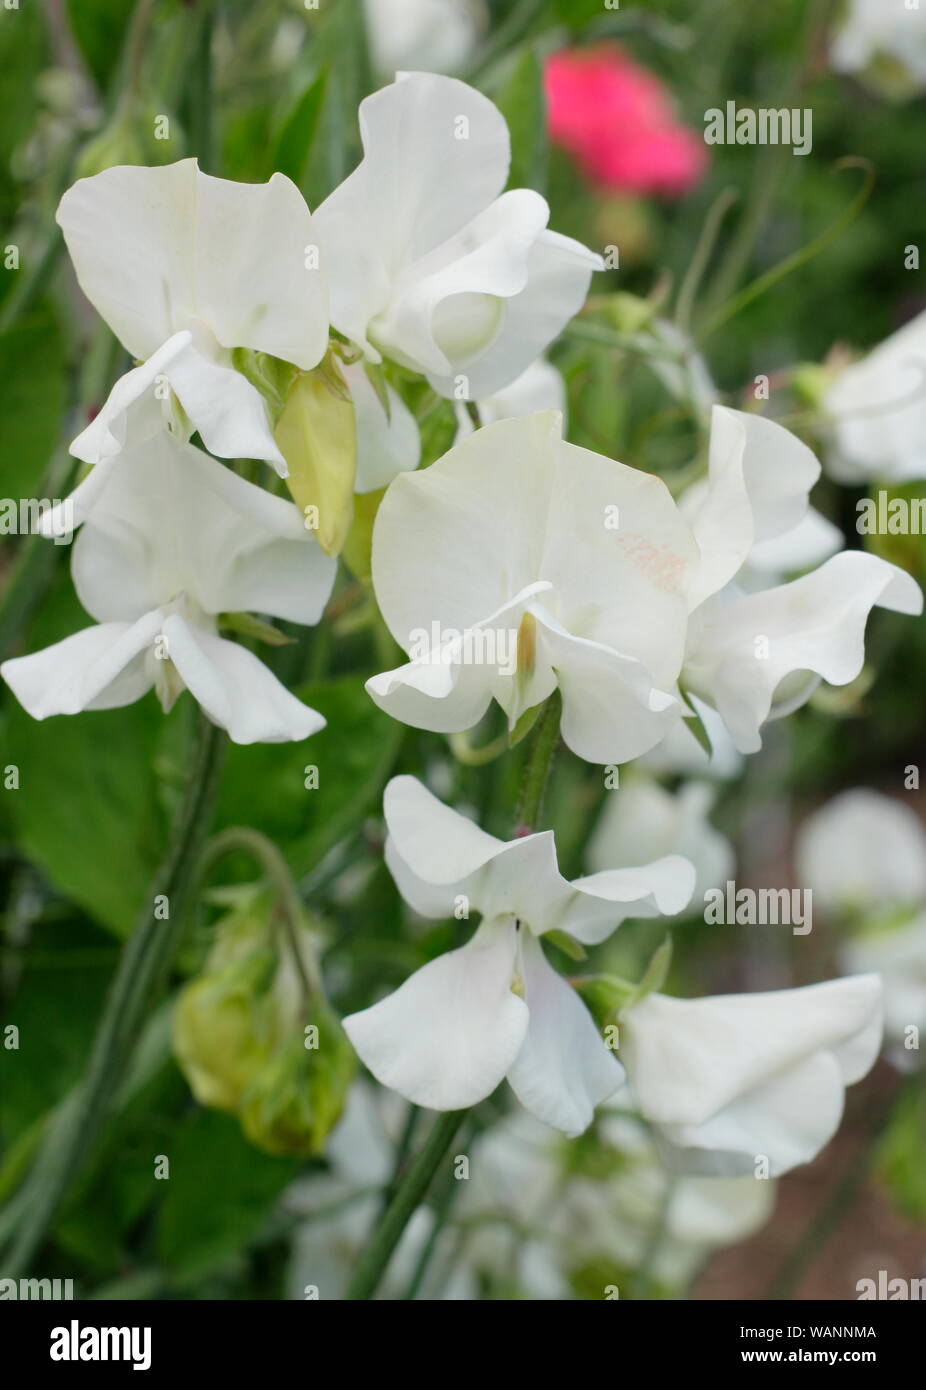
[
  {"x": 430, "y": 35},
  {"x": 428, "y": 261},
  {"x": 641, "y": 821},
  {"x": 185, "y": 268},
  {"x": 863, "y": 853},
  {"x": 759, "y": 655},
  {"x": 495, "y": 1007},
  {"x": 877, "y": 410},
  {"x": 175, "y": 539},
  {"x": 518, "y": 563},
  {"x": 729, "y": 1080},
  {"x": 874, "y": 30}
]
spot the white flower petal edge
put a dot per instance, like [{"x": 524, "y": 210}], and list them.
[
  {"x": 495, "y": 1007},
  {"x": 878, "y": 411},
  {"x": 733, "y": 1079},
  {"x": 740, "y": 652},
  {"x": 460, "y": 278},
  {"x": 759, "y": 655},
  {"x": 145, "y": 246},
  {"x": 483, "y": 545},
  {"x": 175, "y": 540}
]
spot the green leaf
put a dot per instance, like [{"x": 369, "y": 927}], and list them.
[
  {"x": 250, "y": 626},
  {"x": 265, "y": 784},
  {"x": 523, "y": 104},
  {"x": 524, "y": 724},
  {"x": 99, "y": 28},
  {"x": 34, "y": 400},
  {"x": 299, "y": 133},
  {"x": 567, "y": 944},
  {"x": 220, "y": 1192}
]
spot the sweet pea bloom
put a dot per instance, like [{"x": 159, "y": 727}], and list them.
[
  {"x": 429, "y": 263},
  {"x": 176, "y": 539},
  {"x": 731, "y": 1079},
  {"x": 495, "y": 1007},
  {"x": 435, "y": 35},
  {"x": 617, "y": 120},
  {"x": 642, "y": 820},
  {"x": 537, "y": 564},
  {"x": 863, "y": 855},
  {"x": 185, "y": 268},
  {"x": 755, "y": 653},
  {"x": 877, "y": 409}
]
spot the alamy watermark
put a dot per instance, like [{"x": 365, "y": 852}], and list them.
[
  {"x": 475, "y": 646},
  {"x": 768, "y": 125},
  {"x": 23, "y": 516},
  {"x": 732, "y": 906}
]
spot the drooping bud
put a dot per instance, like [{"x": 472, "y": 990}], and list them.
[{"x": 296, "y": 1099}]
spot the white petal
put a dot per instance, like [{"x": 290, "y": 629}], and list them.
[
  {"x": 863, "y": 852},
  {"x": 878, "y": 407},
  {"x": 156, "y": 249},
  {"x": 662, "y": 887},
  {"x": 740, "y": 651},
  {"x": 642, "y": 821},
  {"x": 444, "y": 311},
  {"x": 235, "y": 689},
  {"x": 430, "y": 695},
  {"x": 539, "y": 387},
  {"x": 559, "y": 271},
  {"x": 564, "y": 1069},
  {"x": 751, "y": 1074},
  {"x": 447, "y": 1037},
  {"x": 386, "y": 446},
  {"x": 436, "y": 153},
  {"x": 173, "y": 521},
  {"x": 806, "y": 545},
  {"x": 759, "y": 480},
  {"x": 106, "y": 434},
  {"x": 225, "y": 408},
  {"x": 99, "y": 668},
  {"x": 612, "y": 711}
]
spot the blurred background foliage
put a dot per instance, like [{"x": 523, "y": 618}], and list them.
[{"x": 82, "y": 834}]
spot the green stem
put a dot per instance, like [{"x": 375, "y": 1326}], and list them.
[
  {"x": 412, "y": 1190},
  {"x": 139, "y": 977},
  {"x": 538, "y": 766},
  {"x": 252, "y": 842}
]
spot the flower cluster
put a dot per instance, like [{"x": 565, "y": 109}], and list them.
[{"x": 543, "y": 577}]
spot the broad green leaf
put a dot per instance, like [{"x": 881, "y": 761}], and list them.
[
  {"x": 523, "y": 105},
  {"x": 34, "y": 400},
  {"x": 297, "y": 139}
]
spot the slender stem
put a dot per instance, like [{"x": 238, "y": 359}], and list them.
[
  {"x": 139, "y": 977},
  {"x": 539, "y": 764},
  {"x": 372, "y": 1264},
  {"x": 252, "y": 842}
]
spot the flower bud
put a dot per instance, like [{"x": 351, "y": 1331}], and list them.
[
  {"x": 297, "y": 1097},
  {"x": 317, "y": 435}
]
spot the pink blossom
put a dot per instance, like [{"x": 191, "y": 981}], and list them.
[{"x": 617, "y": 120}]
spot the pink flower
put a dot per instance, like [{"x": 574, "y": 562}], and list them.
[{"x": 617, "y": 120}]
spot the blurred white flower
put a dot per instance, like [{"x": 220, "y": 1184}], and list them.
[
  {"x": 185, "y": 268},
  {"x": 428, "y": 261},
  {"x": 864, "y": 856},
  {"x": 495, "y": 1007},
  {"x": 759, "y": 655},
  {"x": 874, "y": 30},
  {"x": 863, "y": 852},
  {"x": 642, "y": 821},
  {"x": 176, "y": 539},
  {"x": 388, "y": 442},
  {"x": 731, "y": 1080},
  {"x": 423, "y": 35},
  {"x": 877, "y": 409},
  {"x": 508, "y": 536}
]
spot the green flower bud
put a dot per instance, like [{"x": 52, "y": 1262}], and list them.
[
  {"x": 223, "y": 1028},
  {"x": 296, "y": 1099},
  {"x": 317, "y": 435}
]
